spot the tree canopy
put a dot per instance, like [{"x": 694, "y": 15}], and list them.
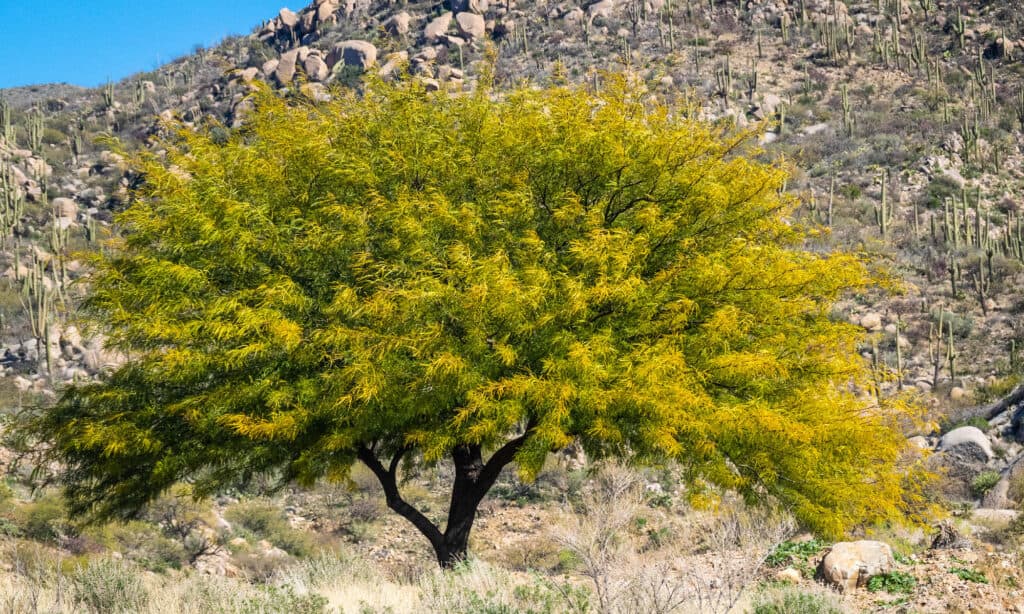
[{"x": 403, "y": 276}]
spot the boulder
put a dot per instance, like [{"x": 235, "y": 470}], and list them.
[
  {"x": 850, "y": 565},
  {"x": 249, "y": 75},
  {"x": 285, "y": 71},
  {"x": 398, "y": 25},
  {"x": 471, "y": 25},
  {"x": 769, "y": 106},
  {"x": 963, "y": 454},
  {"x": 65, "y": 207},
  {"x": 996, "y": 498},
  {"x": 307, "y": 23},
  {"x": 438, "y": 27},
  {"x": 315, "y": 67},
  {"x": 871, "y": 321},
  {"x": 1000, "y": 496},
  {"x": 325, "y": 11},
  {"x": 360, "y": 54},
  {"x": 288, "y": 18},
  {"x": 967, "y": 441},
  {"x": 602, "y": 8},
  {"x": 919, "y": 442}
]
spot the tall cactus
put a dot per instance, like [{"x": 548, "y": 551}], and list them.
[
  {"x": 847, "y": 111},
  {"x": 36, "y": 127},
  {"x": 883, "y": 210},
  {"x": 7, "y": 132},
  {"x": 959, "y": 28},
  {"x": 108, "y": 95}
]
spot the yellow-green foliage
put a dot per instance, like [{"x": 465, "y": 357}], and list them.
[{"x": 400, "y": 270}]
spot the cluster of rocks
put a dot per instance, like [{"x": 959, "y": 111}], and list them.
[
  {"x": 72, "y": 359},
  {"x": 289, "y": 28},
  {"x": 25, "y": 170}
]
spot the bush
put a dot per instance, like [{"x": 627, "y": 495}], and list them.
[
  {"x": 108, "y": 587},
  {"x": 969, "y": 575},
  {"x": 983, "y": 482},
  {"x": 285, "y": 600},
  {"x": 147, "y": 546},
  {"x": 44, "y": 519},
  {"x": 975, "y": 421},
  {"x": 893, "y": 582},
  {"x": 962, "y": 324},
  {"x": 477, "y": 588},
  {"x": 997, "y": 389},
  {"x": 789, "y": 552},
  {"x": 266, "y": 521},
  {"x": 791, "y": 600},
  {"x": 941, "y": 187}
]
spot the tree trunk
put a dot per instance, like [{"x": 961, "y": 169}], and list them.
[{"x": 473, "y": 479}]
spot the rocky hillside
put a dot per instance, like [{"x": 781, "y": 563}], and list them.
[{"x": 902, "y": 121}]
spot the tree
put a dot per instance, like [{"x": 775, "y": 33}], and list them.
[{"x": 400, "y": 276}]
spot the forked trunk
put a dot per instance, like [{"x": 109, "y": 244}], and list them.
[{"x": 473, "y": 479}]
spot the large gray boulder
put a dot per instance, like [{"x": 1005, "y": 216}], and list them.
[
  {"x": 963, "y": 454},
  {"x": 398, "y": 25},
  {"x": 65, "y": 207},
  {"x": 285, "y": 71},
  {"x": 850, "y": 565},
  {"x": 438, "y": 27},
  {"x": 967, "y": 441},
  {"x": 357, "y": 53},
  {"x": 288, "y": 18},
  {"x": 471, "y": 25},
  {"x": 315, "y": 67}
]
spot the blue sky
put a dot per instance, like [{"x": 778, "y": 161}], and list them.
[{"x": 87, "y": 42}]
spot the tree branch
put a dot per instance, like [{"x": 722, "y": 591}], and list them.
[
  {"x": 503, "y": 456},
  {"x": 394, "y": 499}
]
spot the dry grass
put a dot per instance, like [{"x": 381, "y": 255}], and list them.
[
  {"x": 616, "y": 552},
  {"x": 712, "y": 560}
]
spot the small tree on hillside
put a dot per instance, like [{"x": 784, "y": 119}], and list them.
[{"x": 411, "y": 277}]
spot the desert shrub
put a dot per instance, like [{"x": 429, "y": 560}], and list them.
[
  {"x": 893, "y": 582},
  {"x": 474, "y": 587},
  {"x": 183, "y": 519},
  {"x": 266, "y": 521},
  {"x": 6, "y": 492},
  {"x": 29, "y": 559},
  {"x": 325, "y": 567},
  {"x": 146, "y": 545},
  {"x": 259, "y": 567},
  {"x": 996, "y": 389},
  {"x": 969, "y": 575},
  {"x": 975, "y": 421},
  {"x": 107, "y": 586},
  {"x": 54, "y": 137},
  {"x": 939, "y": 189},
  {"x": 366, "y": 509},
  {"x": 535, "y": 554},
  {"x": 794, "y": 553},
  {"x": 962, "y": 324},
  {"x": 792, "y": 600},
  {"x": 983, "y": 482},
  {"x": 272, "y": 599},
  {"x": 44, "y": 519}
]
